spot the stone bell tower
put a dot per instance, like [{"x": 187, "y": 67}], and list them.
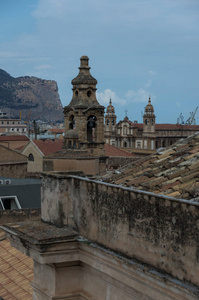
[
  {"x": 110, "y": 123},
  {"x": 84, "y": 114},
  {"x": 149, "y": 127}
]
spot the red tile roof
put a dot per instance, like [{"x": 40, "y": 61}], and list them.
[
  {"x": 176, "y": 127},
  {"x": 114, "y": 151},
  {"x": 56, "y": 130},
  {"x": 15, "y": 280},
  {"x": 168, "y": 126},
  {"x": 173, "y": 171},
  {"x": 49, "y": 146},
  {"x": 14, "y": 138}
]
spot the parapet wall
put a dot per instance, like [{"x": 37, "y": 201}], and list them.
[
  {"x": 19, "y": 215},
  {"x": 14, "y": 170},
  {"x": 158, "y": 230}
]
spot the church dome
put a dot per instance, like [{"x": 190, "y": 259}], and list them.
[
  {"x": 84, "y": 76},
  {"x": 110, "y": 109},
  {"x": 71, "y": 134},
  {"x": 149, "y": 110}
]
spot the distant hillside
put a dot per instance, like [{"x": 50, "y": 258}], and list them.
[{"x": 30, "y": 94}]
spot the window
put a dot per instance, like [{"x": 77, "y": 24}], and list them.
[
  {"x": 9, "y": 202},
  {"x": 113, "y": 123},
  {"x": 146, "y": 121},
  {"x": 125, "y": 130},
  {"x": 91, "y": 128},
  {"x": 89, "y": 94},
  {"x": 71, "y": 122},
  {"x": 107, "y": 122},
  {"x": 31, "y": 157}
]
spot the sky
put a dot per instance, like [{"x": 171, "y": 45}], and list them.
[{"x": 136, "y": 49}]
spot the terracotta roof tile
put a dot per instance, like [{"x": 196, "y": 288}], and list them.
[
  {"x": 14, "y": 138},
  {"x": 111, "y": 150},
  {"x": 49, "y": 146},
  {"x": 56, "y": 130},
  {"x": 173, "y": 171},
  {"x": 16, "y": 273}
]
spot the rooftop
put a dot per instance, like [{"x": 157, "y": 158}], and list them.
[
  {"x": 173, "y": 171},
  {"x": 14, "y": 138},
  {"x": 16, "y": 272},
  {"x": 111, "y": 150},
  {"x": 49, "y": 146}
]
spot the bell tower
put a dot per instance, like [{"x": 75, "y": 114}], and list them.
[
  {"x": 84, "y": 113},
  {"x": 149, "y": 126},
  {"x": 110, "y": 123}
]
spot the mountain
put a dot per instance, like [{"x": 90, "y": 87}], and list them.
[{"x": 31, "y": 96}]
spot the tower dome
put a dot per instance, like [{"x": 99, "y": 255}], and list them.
[
  {"x": 149, "y": 110},
  {"x": 110, "y": 108}
]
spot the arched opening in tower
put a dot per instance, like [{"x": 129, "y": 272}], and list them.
[
  {"x": 91, "y": 128},
  {"x": 72, "y": 122}
]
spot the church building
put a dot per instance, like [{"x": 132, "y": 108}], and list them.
[{"x": 143, "y": 138}]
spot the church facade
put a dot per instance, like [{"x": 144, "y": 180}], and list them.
[{"x": 146, "y": 137}]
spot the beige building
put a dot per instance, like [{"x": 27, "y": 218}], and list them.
[
  {"x": 14, "y": 141},
  {"x": 147, "y": 137},
  {"x": 36, "y": 150},
  {"x": 12, "y": 126}
]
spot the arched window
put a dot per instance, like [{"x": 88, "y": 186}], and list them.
[
  {"x": 91, "y": 128},
  {"x": 125, "y": 144},
  {"x": 71, "y": 122},
  {"x": 69, "y": 144},
  {"x": 113, "y": 122},
  {"x": 107, "y": 122},
  {"x": 146, "y": 121},
  {"x": 31, "y": 157},
  {"x": 89, "y": 94}
]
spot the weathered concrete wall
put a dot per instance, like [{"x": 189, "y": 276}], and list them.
[
  {"x": 14, "y": 170},
  {"x": 87, "y": 166},
  {"x": 19, "y": 215},
  {"x": 157, "y": 230}
]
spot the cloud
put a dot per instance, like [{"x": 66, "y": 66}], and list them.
[
  {"x": 10, "y": 54},
  {"x": 152, "y": 73},
  {"x": 43, "y": 67},
  {"x": 104, "y": 98},
  {"x": 139, "y": 96},
  {"x": 132, "y": 96}
]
